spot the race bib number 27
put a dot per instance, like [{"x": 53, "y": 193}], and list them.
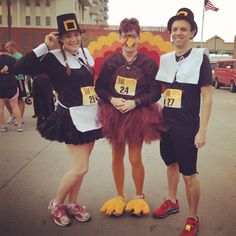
[
  {"x": 173, "y": 98},
  {"x": 125, "y": 86}
]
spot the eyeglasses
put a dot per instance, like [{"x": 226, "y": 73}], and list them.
[{"x": 125, "y": 36}]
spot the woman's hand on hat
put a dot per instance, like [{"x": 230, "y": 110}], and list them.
[{"x": 51, "y": 40}]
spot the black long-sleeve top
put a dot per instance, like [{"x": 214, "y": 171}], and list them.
[
  {"x": 68, "y": 88},
  {"x": 7, "y": 80},
  {"x": 143, "y": 69}
]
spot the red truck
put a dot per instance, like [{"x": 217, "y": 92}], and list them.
[{"x": 225, "y": 74}]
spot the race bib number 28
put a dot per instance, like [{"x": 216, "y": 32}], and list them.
[
  {"x": 125, "y": 86},
  {"x": 172, "y": 98}
]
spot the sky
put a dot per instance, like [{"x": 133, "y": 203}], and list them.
[{"x": 157, "y": 13}]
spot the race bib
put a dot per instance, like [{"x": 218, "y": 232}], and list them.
[
  {"x": 172, "y": 98},
  {"x": 89, "y": 95},
  {"x": 125, "y": 86}
]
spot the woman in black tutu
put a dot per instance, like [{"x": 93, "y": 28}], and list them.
[
  {"x": 128, "y": 113},
  {"x": 74, "y": 122}
]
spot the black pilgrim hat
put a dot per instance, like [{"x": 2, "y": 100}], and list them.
[
  {"x": 68, "y": 22},
  {"x": 183, "y": 14}
]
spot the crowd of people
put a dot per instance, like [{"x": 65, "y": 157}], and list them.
[
  {"x": 121, "y": 107},
  {"x": 20, "y": 89}
]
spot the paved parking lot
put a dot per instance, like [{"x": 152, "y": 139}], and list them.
[{"x": 31, "y": 167}]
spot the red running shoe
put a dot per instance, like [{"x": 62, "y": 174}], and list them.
[
  {"x": 191, "y": 227},
  {"x": 167, "y": 208}
]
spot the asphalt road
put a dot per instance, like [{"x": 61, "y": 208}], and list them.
[{"x": 31, "y": 167}]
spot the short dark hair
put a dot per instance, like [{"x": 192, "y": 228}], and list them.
[
  {"x": 11, "y": 43},
  {"x": 127, "y": 25}
]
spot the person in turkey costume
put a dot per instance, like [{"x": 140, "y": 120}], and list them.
[
  {"x": 128, "y": 114},
  {"x": 74, "y": 121}
]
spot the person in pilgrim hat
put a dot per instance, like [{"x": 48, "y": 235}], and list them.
[
  {"x": 186, "y": 74},
  {"x": 129, "y": 114},
  {"x": 69, "y": 67}
]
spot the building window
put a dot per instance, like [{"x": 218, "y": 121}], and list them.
[
  {"x": 47, "y": 3},
  {"x": 37, "y": 3},
  {"x": 25, "y": 42},
  {"x": 0, "y": 20},
  {"x": 48, "y": 20},
  {"x": 27, "y": 3},
  {"x": 5, "y": 37},
  {"x": 35, "y": 40},
  {"x": 27, "y": 20},
  {"x": 37, "y": 20}
]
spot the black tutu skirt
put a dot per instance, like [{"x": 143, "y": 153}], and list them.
[
  {"x": 143, "y": 124},
  {"x": 59, "y": 127}
]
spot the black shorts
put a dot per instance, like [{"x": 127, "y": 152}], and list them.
[
  {"x": 8, "y": 93},
  {"x": 177, "y": 146},
  {"x": 22, "y": 90}
]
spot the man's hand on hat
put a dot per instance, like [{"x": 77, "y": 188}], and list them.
[{"x": 51, "y": 40}]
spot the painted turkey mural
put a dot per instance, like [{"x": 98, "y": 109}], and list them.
[{"x": 151, "y": 45}]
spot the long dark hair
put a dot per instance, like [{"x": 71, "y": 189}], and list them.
[
  {"x": 90, "y": 68},
  {"x": 68, "y": 71}
]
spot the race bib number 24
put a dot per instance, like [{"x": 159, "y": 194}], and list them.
[{"x": 125, "y": 86}]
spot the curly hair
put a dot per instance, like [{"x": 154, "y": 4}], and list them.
[{"x": 127, "y": 25}]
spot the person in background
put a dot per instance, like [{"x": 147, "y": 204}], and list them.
[
  {"x": 129, "y": 114},
  {"x": 11, "y": 48},
  {"x": 69, "y": 69},
  {"x": 8, "y": 90},
  {"x": 186, "y": 74},
  {"x": 43, "y": 97}
]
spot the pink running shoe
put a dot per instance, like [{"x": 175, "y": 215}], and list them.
[
  {"x": 77, "y": 211},
  {"x": 58, "y": 213}
]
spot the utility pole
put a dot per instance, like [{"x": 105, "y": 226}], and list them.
[
  {"x": 9, "y": 18},
  {"x": 215, "y": 48}
]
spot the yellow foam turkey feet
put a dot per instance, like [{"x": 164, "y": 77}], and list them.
[
  {"x": 138, "y": 206},
  {"x": 114, "y": 206}
]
